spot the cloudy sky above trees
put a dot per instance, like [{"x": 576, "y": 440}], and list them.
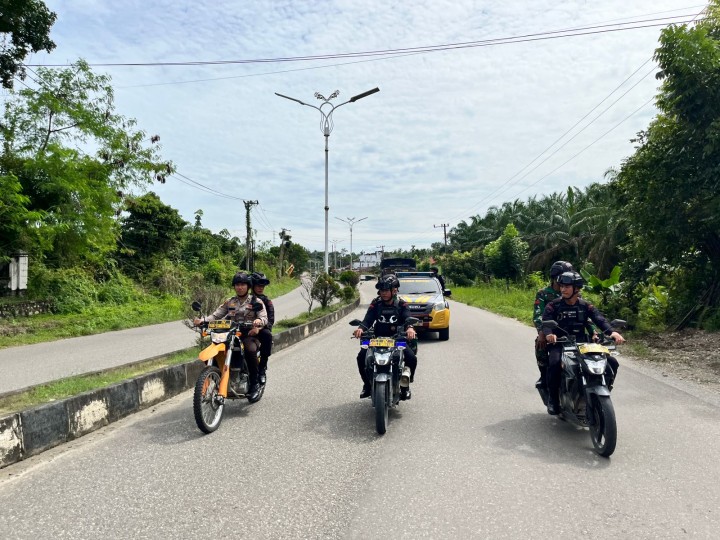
[{"x": 521, "y": 108}]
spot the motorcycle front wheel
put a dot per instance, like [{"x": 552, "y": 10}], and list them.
[
  {"x": 380, "y": 403},
  {"x": 207, "y": 408},
  {"x": 604, "y": 431}
]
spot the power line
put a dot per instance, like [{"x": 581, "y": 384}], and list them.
[{"x": 554, "y": 34}]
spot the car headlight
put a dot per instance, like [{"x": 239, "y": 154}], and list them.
[
  {"x": 596, "y": 367},
  {"x": 382, "y": 358},
  {"x": 439, "y": 306}
]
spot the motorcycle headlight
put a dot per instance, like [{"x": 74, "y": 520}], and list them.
[
  {"x": 596, "y": 367},
  {"x": 382, "y": 358},
  {"x": 219, "y": 337}
]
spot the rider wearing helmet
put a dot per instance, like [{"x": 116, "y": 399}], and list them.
[
  {"x": 543, "y": 296},
  {"x": 387, "y": 312},
  {"x": 573, "y": 315},
  {"x": 247, "y": 308},
  {"x": 259, "y": 281}
]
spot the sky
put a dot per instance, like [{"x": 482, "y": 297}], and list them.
[{"x": 452, "y": 131}]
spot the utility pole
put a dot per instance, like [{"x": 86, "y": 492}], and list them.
[
  {"x": 444, "y": 228},
  {"x": 249, "y": 262}
]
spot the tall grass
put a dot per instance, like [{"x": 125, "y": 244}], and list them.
[{"x": 513, "y": 302}]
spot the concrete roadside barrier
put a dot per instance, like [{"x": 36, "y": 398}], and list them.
[{"x": 32, "y": 431}]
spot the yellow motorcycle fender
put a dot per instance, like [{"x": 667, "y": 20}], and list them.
[{"x": 210, "y": 351}]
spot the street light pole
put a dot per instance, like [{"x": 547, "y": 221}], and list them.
[
  {"x": 351, "y": 221},
  {"x": 326, "y": 125}
]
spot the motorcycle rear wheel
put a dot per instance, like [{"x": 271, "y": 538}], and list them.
[
  {"x": 604, "y": 431},
  {"x": 208, "y": 412},
  {"x": 380, "y": 403}
]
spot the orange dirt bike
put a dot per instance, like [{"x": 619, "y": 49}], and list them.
[{"x": 226, "y": 373}]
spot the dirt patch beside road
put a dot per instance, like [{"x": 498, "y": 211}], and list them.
[{"x": 689, "y": 355}]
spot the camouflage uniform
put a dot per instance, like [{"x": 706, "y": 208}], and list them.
[{"x": 542, "y": 298}]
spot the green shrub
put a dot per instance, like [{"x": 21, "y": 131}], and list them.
[
  {"x": 118, "y": 289},
  {"x": 653, "y": 308},
  {"x": 348, "y": 293},
  {"x": 325, "y": 289},
  {"x": 213, "y": 272},
  {"x": 535, "y": 281},
  {"x": 172, "y": 278},
  {"x": 349, "y": 278},
  {"x": 72, "y": 290}
]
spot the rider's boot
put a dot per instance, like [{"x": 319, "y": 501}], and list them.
[
  {"x": 262, "y": 368},
  {"x": 553, "y": 404},
  {"x": 366, "y": 390},
  {"x": 254, "y": 392}
]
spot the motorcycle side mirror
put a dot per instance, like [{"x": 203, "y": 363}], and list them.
[
  {"x": 618, "y": 323},
  {"x": 355, "y": 322},
  {"x": 196, "y": 306},
  {"x": 411, "y": 321},
  {"x": 257, "y": 306},
  {"x": 550, "y": 324}
]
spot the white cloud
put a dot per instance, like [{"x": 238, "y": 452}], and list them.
[{"x": 436, "y": 145}]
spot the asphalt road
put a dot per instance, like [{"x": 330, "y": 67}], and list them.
[
  {"x": 29, "y": 365},
  {"x": 472, "y": 455}
]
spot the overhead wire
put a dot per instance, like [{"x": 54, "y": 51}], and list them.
[{"x": 554, "y": 34}]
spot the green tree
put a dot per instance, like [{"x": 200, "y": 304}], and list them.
[
  {"x": 670, "y": 184},
  {"x": 505, "y": 257},
  {"x": 150, "y": 231},
  {"x": 74, "y": 196},
  {"x": 24, "y": 28}
]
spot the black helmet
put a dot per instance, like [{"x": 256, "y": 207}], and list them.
[
  {"x": 258, "y": 278},
  {"x": 571, "y": 278},
  {"x": 558, "y": 267},
  {"x": 387, "y": 283},
  {"x": 242, "y": 277}
]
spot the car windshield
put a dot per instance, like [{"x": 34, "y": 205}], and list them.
[{"x": 419, "y": 286}]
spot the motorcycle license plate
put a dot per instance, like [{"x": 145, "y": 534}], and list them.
[
  {"x": 382, "y": 342},
  {"x": 222, "y": 324},
  {"x": 586, "y": 348}
]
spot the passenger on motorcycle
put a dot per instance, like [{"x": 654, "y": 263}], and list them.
[
  {"x": 259, "y": 281},
  {"x": 246, "y": 308},
  {"x": 542, "y": 298},
  {"x": 387, "y": 312},
  {"x": 573, "y": 315}
]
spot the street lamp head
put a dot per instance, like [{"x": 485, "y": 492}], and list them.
[
  {"x": 318, "y": 95},
  {"x": 364, "y": 94}
]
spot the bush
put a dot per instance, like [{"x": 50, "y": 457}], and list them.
[
  {"x": 72, "y": 290},
  {"x": 170, "y": 278},
  {"x": 325, "y": 289},
  {"x": 118, "y": 289},
  {"x": 350, "y": 278},
  {"x": 348, "y": 293}
]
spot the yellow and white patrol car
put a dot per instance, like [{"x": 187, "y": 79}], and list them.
[{"x": 426, "y": 301}]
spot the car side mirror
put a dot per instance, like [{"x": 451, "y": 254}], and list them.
[{"x": 447, "y": 292}]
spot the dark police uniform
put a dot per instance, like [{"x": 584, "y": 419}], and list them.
[
  {"x": 386, "y": 318},
  {"x": 575, "y": 320}
]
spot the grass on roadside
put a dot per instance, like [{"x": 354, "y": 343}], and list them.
[
  {"x": 303, "y": 318},
  {"x": 106, "y": 318},
  {"x": 51, "y": 327},
  {"x": 514, "y": 303}
]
